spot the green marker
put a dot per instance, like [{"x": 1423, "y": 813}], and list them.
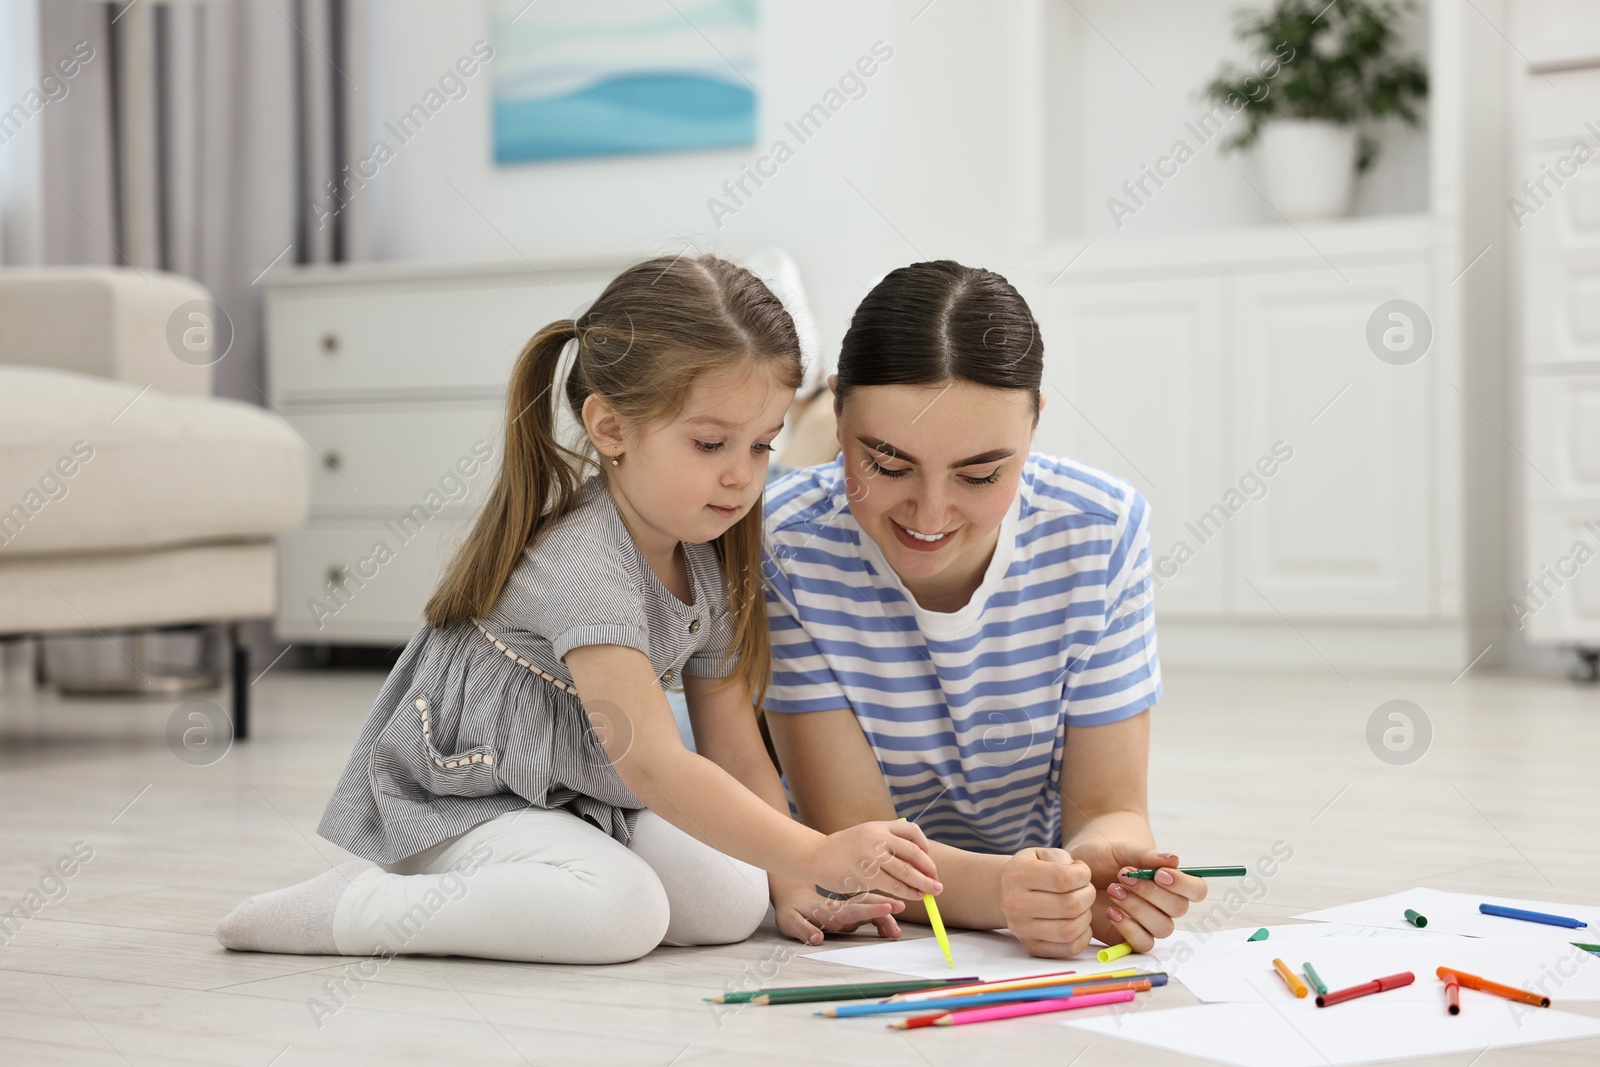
[
  {"x": 1315, "y": 979},
  {"x": 1148, "y": 873},
  {"x": 1587, "y": 948},
  {"x": 1416, "y": 918},
  {"x": 1259, "y": 935}
]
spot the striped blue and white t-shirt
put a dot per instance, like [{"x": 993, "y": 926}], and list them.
[{"x": 967, "y": 710}]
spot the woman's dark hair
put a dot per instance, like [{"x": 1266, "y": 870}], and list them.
[{"x": 941, "y": 322}]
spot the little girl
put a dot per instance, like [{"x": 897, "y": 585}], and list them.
[{"x": 520, "y": 790}]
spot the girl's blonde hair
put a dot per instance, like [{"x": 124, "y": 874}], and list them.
[{"x": 658, "y": 327}]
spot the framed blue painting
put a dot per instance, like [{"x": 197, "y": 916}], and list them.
[{"x": 578, "y": 78}]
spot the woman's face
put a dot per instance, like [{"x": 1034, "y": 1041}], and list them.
[{"x": 931, "y": 471}]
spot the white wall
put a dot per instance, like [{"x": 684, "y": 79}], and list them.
[{"x": 928, "y": 160}]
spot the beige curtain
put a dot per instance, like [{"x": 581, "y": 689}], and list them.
[{"x": 197, "y": 140}]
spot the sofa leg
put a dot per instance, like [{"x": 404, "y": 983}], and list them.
[{"x": 239, "y": 672}]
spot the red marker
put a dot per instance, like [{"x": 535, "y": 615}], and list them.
[
  {"x": 1377, "y": 985},
  {"x": 1452, "y": 995}
]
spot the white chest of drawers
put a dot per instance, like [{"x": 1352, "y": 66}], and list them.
[{"x": 396, "y": 375}]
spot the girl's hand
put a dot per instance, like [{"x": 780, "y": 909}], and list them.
[
  {"x": 1134, "y": 910},
  {"x": 890, "y": 857},
  {"x": 804, "y": 914}
]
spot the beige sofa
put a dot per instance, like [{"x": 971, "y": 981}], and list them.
[{"x": 131, "y": 498}]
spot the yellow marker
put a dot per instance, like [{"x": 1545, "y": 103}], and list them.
[
  {"x": 1115, "y": 952},
  {"x": 935, "y": 921},
  {"x": 1290, "y": 979},
  {"x": 938, "y": 928}
]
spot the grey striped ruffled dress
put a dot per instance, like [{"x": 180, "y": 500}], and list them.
[{"x": 481, "y": 718}]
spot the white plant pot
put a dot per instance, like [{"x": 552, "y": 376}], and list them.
[{"x": 1308, "y": 167}]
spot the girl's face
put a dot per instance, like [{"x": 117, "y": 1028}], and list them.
[
  {"x": 931, "y": 471},
  {"x": 691, "y": 476}
]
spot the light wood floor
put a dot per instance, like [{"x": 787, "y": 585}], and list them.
[{"x": 124, "y": 970}]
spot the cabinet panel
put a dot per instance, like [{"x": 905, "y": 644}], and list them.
[
  {"x": 1343, "y": 529},
  {"x": 386, "y": 462},
  {"x": 1561, "y": 309},
  {"x": 1557, "y": 598},
  {"x": 1556, "y": 105},
  {"x": 1562, "y": 416},
  {"x": 380, "y": 591},
  {"x": 1133, "y": 386},
  {"x": 410, "y": 337},
  {"x": 1558, "y": 218}
]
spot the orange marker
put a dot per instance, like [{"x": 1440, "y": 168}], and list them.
[
  {"x": 1483, "y": 985},
  {"x": 1292, "y": 980}
]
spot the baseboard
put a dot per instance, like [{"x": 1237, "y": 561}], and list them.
[{"x": 1413, "y": 648}]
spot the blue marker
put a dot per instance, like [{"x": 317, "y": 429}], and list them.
[{"x": 1532, "y": 916}]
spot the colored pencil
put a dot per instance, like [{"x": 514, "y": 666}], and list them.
[
  {"x": 1377, "y": 985},
  {"x": 1499, "y": 989},
  {"x": 1148, "y": 873},
  {"x": 1037, "y": 1007},
  {"x": 1532, "y": 916},
  {"x": 1452, "y": 996},
  {"x": 984, "y": 1000},
  {"x": 1025, "y": 983},
  {"x": 1290, "y": 979},
  {"x": 1314, "y": 978},
  {"x": 845, "y": 991},
  {"x": 932, "y": 1019}
]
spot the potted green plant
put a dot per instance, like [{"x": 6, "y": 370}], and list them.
[{"x": 1311, "y": 125}]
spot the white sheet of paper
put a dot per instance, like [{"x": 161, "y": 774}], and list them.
[
  {"x": 1457, "y": 913},
  {"x": 1235, "y": 970},
  {"x": 992, "y": 955},
  {"x": 1357, "y": 1031}
]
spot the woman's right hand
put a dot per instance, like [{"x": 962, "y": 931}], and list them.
[{"x": 887, "y": 857}]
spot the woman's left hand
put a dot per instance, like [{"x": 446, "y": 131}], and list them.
[
  {"x": 1136, "y": 910},
  {"x": 804, "y": 914}
]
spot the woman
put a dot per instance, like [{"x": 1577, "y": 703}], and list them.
[{"x": 963, "y": 632}]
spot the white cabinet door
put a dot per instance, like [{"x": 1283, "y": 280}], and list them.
[
  {"x": 1561, "y": 416},
  {"x": 1558, "y": 601},
  {"x": 1133, "y": 386},
  {"x": 1344, "y": 526},
  {"x": 360, "y": 582},
  {"x": 374, "y": 461}
]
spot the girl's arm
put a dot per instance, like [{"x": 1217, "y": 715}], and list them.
[
  {"x": 631, "y": 718},
  {"x": 726, "y": 733},
  {"x": 1041, "y": 894}
]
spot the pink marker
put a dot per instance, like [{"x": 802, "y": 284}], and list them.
[{"x": 1037, "y": 1007}]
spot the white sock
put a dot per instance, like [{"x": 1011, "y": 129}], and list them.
[{"x": 298, "y": 919}]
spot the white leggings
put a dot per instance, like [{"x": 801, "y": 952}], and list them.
[{"x": 544, "y": 886}]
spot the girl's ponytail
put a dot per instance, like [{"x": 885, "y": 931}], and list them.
[{"x": 538, "y": 483}]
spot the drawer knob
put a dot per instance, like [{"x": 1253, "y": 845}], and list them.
[
  {"x": 332, "y": 460},
  {"x": 330, "y": 343}
]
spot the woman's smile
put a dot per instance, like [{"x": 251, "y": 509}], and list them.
[{"x": 918, "y": 541}]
